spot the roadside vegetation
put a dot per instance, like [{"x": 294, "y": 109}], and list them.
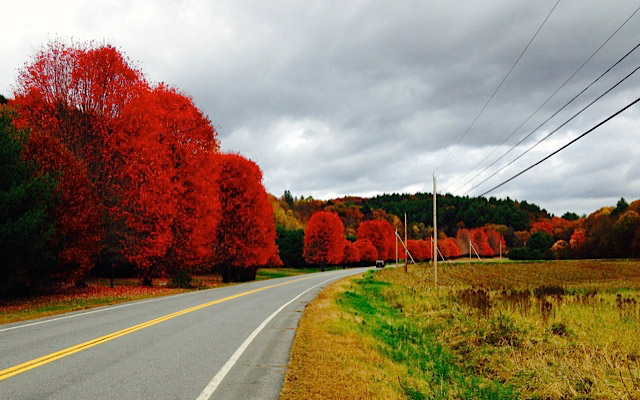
[
  {"x": 536, "y": 330},
  {"x": 99, "y": 293}
]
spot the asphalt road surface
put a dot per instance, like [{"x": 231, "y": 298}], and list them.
[{"x": 226, "y": 343}]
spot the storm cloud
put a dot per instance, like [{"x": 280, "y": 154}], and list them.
[{"x": 364, "y": 97}]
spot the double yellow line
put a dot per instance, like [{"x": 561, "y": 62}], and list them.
[{"x": 37, "y": 362}]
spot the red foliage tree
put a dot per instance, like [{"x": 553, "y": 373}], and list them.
[
  {"x": 495, "y": 240},
  {"x": 481, "y": 242},
  {"x": 138, "y": 170},
  {"x": 452, "y": 247},
  {"x": 577, "y": 241},
  {"x": 368, "y": 252},
  {"x": 414, "y": 249},
  {"x": 419, "y": 249},
  {"x": 274, "y": 261},
  {"x": 449, "y": 248},
  {"x": 69, "y": 96},
  {"x": 144, "y": 185},
  {"x": 463, "y": 237},
  {"x": 544, "y": 226},
  {"x": 597, "y": 227},
  {"x": 381, "y": 234},
  {"x": 478, "y": 238},
  {"x": 324, "y": 239},
  {"x": 562, "y": 228},
  {"x": 246, "y": 233},
  {"x": 351, "y": 253},
  {"x": 193, "y": 145},
  {"x": 428, "y": 246}
]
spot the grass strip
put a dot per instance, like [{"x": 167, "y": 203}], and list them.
[{"x": 432, "y": 371}]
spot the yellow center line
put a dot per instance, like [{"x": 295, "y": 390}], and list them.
[{"x": 37, "y": 362}]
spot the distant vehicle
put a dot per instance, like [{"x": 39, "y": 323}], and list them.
[{"x": 379, "y": 263}]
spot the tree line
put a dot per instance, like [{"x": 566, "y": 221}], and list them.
[
  {"x": 103, "y": 169},
  {"x": 518, "y": 229}
]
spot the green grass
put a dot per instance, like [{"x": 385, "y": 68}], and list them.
[{"x": 432, "y": 369}]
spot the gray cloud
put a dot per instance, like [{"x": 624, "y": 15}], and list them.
[{"x": 335, "y": 98}]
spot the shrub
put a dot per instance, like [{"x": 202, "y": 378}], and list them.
[{"x": 519, "y": 253}]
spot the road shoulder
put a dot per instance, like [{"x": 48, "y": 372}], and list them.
[{"x": 329, "y": 359}]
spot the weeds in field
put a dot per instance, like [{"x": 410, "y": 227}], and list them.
[{"x": 570, "y": 330}]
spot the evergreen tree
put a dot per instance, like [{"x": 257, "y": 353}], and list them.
[
  {"x": 26, "y": 223},
  {"x": 290, "y": 246}
]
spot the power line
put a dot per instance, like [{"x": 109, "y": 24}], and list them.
[
  {"x": 557, "y": 129},
  {"x": 543, "y": 104},
  {"x": 563, "y": 147},
  {"x": 497, "y": 89},
  {"x": 551, "y": 116}
]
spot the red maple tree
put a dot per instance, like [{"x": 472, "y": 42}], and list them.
[
  {"x": 449, "y": 248},
  {"x": 381, "y": 234},
  {"x": 138, "y": 175},
  {"x": 193, "y": 145},
  {"x": 324, "y": 239},
  {"x": 246, "y": 232},
  {"x": 419, "y": 249},
  {"x": 68, "y": 96},
  {"x": 368, "y": 252},
  {"x": 351, "y": 253}
]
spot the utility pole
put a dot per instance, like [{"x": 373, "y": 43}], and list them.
[
  {"x": 406, "y": 251},
  {"x": 435, "y": 234},
  {"x": 396, "y": 248}
]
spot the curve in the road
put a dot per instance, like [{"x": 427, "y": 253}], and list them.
[{"x": 37, "y": 362}]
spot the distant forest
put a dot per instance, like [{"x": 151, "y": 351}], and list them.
[{"x": 455, "y": 212}]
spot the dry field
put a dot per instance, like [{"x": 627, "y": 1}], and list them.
[{"x": 539, "y": 330}]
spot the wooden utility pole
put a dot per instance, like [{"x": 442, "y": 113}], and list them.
[
  {"x": 406, "y": 251},
  {"x": 435, "y": 234},
  {"x": 396, "y": 248}
]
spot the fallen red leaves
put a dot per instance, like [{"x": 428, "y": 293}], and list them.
[{"x": 72, "y": 298}]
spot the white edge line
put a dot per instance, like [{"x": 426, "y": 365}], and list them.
[
  {"x": 106, "y": 308},
  {"x": 217, "y": 379},
  {"x": 81, "y": 314}
]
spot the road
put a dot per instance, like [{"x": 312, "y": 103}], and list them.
[{"x": 225, "y": 343}]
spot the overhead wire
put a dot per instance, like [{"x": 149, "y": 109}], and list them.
[
  {"x": 540, "y": 107},
  {"x": 556, "y": 130},
  {"x": 563, "y": 147},
  {"x": 497, "y": 88},
  {"x": 513, "y": 147}
]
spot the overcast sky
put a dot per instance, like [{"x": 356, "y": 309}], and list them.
[{"x": 333, "y": 98}]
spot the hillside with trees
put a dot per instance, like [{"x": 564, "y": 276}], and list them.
[{"x": 469, "y": 225}]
